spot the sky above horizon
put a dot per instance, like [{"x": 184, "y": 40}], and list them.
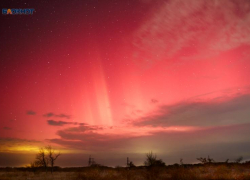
[{"x": 116, "y": 79}]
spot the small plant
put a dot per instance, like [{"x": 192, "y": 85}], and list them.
[
  {"x": 239, "y": 159},
  {"x": 131, "y": 164},
  {"x": 181, "y": 161},
  {"x": 205, "y": 160}
]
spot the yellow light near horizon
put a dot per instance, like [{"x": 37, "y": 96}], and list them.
[
  {"x": 32, "y": 149},
  {"x": 36, "y": 149}
]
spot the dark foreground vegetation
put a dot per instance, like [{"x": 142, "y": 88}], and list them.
[
  {"x": 154, "y": 169},
  {"x": 239, "y": 171}
]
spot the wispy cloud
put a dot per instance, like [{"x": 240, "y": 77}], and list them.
[
  {"x": 176, "y": 143},
  {"x": 83, "y": 128},
  {"x": 51, "y": 114},
  {"x": 61, "y": 123},
  {"x": 63, "y": 116},
  {"x": 30, "y": 112},
  {"x": 220, "y": 26},
  {"x": 228, "y": 111},
  {"x": 154, "y": 101},
  {"x": 85, "y": 139}
]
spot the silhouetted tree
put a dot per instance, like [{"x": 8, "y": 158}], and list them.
[
  {"x": 210, "y": 160},
  {"x": 33, "y": 166},
  {"x": 52, "y": 156},
  {"x": 131, "y": 164},
  {"x": 41, "y": 159},
  {"x": 91, "y": 161},
  {"x": 239, "y": 159},
  {"x": 151, "y": 160},
  {"x": 205, "y": 160},
  {"x": 202, "y": 160},
  {"x": 45, "y": 157},
  {"x": 181, "y": 161}
]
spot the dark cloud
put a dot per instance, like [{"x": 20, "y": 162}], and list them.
[
  {"x": 50, "y": 114},
  {"x": 7, "y": 128},
  {"x": 30, "y": 112},
  {"x": 61, "y": 123},
  {"x": 17, "y": 140},
  {"x": 220, "y": 125},
  {"x": 213, "y": 141},
  {"x": 224, "y": 112},
  {"x": 57, "y": 123},
  {"x": 89, "y": 140},
  {"x": 135, "y": 112},
  {"x": 88, "y": 137},
  {"x": 83, "y": 127},
  {"x": 63, "y": 116},
  {"x": 154, "y": 101}
]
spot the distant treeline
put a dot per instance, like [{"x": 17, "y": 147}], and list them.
[{"x": 76, "y": 169}]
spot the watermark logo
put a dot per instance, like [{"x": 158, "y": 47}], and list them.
[{"x": 14, "y": 11}]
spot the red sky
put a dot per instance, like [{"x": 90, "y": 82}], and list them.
[{"x": 116, "y": 79}]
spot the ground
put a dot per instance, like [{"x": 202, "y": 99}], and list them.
[{"x": 193, "y": 172}]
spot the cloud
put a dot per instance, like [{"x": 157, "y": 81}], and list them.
[
  {"x": 7, "y": 128},
  {"x": 213, "y": 141},
  {"x": 83, "y": 128},
  {"x": 63, "y": 116},
  {"x": 188, "y": 144},
  {"x": 17, "y": 140},
  {"x": 30, "y": 112},
  {"x": 57, "y": 123},
  {"x": 93, "y": 137},
  {"x": 172, "y": 29},
  {"x": 215, "y": 126},
  {"x": 234, "y": 110},
  {"x": 61, "y": 123},
  {"x": 154, "y": 101},
  {"x": 50, "y": 114},
  {"x": 85, "y": 139}
]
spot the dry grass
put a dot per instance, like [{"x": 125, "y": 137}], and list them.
[{"x": 237, "y": 172}]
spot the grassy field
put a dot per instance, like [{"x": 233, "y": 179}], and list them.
[{"x": 222, "y": 171}]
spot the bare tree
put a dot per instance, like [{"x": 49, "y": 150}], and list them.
[
  {"x": 202, "y": 160},
  {"x": 181, "y": 161},
  {"x": 130, "y": 164},
  {"x": 151, "y": 160},
  {"x": 45, "y": 157},
  {"x": 239, "y": 159},
  {"x": 41, "y": 159},
  {"x": 206, "y": 160},
  {"x": 52, "y": 156},
  {"x": 210, "y": 160}
]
